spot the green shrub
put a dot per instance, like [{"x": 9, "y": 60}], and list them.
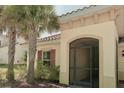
[
  {"x": 24, "y": 58},
  {"x": 3, "y": 65},
  {"x": 54, "y": 73},
  {"x": 47, "y": 72},
  {"x": 38, "y": 70},
  {"x": 20, "y": 72},
  {"x": 42, "y": 71},
  {"x": 1, "y": 75}
]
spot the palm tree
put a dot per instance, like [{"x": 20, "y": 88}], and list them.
[
  {"x": 38, "y": 18},
  {"x": 1, "y": 26},
  {"x": 10, "y": 19},
  {"x": 34, "y": 19}
]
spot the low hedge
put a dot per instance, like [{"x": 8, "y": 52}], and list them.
[{"x": 15, "y": 65}]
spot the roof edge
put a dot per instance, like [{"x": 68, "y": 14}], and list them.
[{"x": 74, "y": 11}]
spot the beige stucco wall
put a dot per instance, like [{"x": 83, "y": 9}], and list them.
[
  {"x": 95, "y": 15},
  {"x": 46, "y": 46},
  {"x": 106, "y": 33},
  {"x": 119, "y": 17},
  {"x": 19, "y": 54},
  {"x": 3, "y": 55},
  {"x": 4, "y": 40}
]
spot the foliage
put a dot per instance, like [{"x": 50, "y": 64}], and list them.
[
  {"x": 11, "y": 16},
  {"x": 38, "y": 70},
  {"x": 41, "y": 71},
  {"x": 38, "y": 18},
  {"x": 10, "y": 19},
  {"x": 47, "y": 72},
  {"x": 54, "y": 73},
  {"x": 24, "y": 58},
  {"x": 3, "y": 73},
  {"x": 0, "y": 76},
  {"x": 10, "y": 75},
  {"x": 30, "y": 20},
  {"x": 19, "y": 69}
]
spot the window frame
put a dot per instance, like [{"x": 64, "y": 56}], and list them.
[{"x": 46, "y": 61}]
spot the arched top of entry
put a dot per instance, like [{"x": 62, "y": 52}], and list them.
[{"x": 86, "y": 41}]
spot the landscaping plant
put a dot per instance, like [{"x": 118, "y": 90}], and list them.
[{"x": 47, "y": 72}]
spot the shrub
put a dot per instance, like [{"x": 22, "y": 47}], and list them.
[
  {"x": 42, "y": 71},
  {"x": 38, "y": 71},
  {"x": 24, "y": 58},
  {"x": 54, "y": 73},
  {"x": 20, "y": 72},
  {"x": 0, "y": 76},
  {"x": 46, "y": 72}
]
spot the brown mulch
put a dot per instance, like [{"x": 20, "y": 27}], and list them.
[
  {"x": 40, "y": 85},
  {"x": 24, "y": 84}
]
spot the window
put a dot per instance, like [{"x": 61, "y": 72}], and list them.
[{"x": 46, "y": 57}]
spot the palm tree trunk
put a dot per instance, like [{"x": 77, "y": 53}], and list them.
[
  {"x": 11, "y": 54},
  {"x": 32, "y": 52}
]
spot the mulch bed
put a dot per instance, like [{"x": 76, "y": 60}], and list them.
[
  {"x": 23, "y": 84},
  {"x": 41, "y": 85}
]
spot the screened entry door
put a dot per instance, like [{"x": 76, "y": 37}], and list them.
[{"x": 84, "y": 66}]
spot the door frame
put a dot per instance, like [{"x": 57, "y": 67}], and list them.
[{"x": 90, "y": 47}]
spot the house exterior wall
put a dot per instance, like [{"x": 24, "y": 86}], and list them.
[
  {"x": 3, "y": 40},
  {"x": 106, "y": 33},
  {"x": 119, "y": 17},
  {"x": 19, "y": 54},
  {"x": 104, "y": 23},
  {"x": 49, "y": 45},
  {"x": 95, "y": 15}
]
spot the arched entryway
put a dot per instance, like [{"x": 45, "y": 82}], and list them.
[{"x": 84, "y": 62}]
